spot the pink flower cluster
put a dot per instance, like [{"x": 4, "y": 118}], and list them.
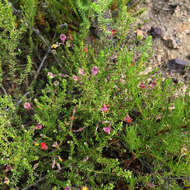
[
  {"x": 94, "y": 70},
  {"x": 75, "y": 78},
  {"x": 38, "y": 126},
  {"x": 151, "y": 85},
  {"x": 105, "y": 108},
  {"x": 81, "y": 71},
  {"x": 107, "y": 129},
  {"x": 58, "y": 164},
  {"x": 50, "y": 75},
  {"x": 127, "y": 118},
  {"x": 63, "y": 38},
  {"x": 27, "y": 106},
  {"x": 85, "y": 49}
]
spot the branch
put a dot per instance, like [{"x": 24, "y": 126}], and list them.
[
  {"x": 3, "y": 89},
  {"x": 40, "y": 180},
  {"x": 72, "y": 118},
  {"x": 19, "y": 14},
  {"x": 49, "y": 47}
]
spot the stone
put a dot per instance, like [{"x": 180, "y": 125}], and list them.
[
  {"x": 155, "y": 32},
  {"x": 188, "y": 56},
  {"x": 175, "y": 80},
  {"x": 178, "y": 65},
  {"x": 175, "y": 10},
  {"x": 171, "y": 43}
]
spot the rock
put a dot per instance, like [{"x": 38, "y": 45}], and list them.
[
  {"x": 175, "y": 9},
  {"x": 171, "y": 43},
  {"x": 188, "y": 56},
  {"x": 178, "y": 65},
  {"x": 155, "y": 32},
  {"x": 175, "y": 80}
]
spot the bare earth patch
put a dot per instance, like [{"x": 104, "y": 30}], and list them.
[{"x": 168, "y": 21}]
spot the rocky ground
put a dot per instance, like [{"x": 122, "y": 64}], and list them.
[{"x": 168, "y": 21}]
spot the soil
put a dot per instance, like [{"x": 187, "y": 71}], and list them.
[{"x": 170, "y": 23}]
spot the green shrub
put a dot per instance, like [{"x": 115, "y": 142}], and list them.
[
  {"x": 13, "y": 30},
  {"x": 98, "y": 121}
]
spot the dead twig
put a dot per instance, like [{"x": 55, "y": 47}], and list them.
[
  {"x": 132, "y": 159},
  {"x": 3, "y": 89},
  {"x": 40, "y": 180},
  {"x": 41, "y": 65},
  {"x": 43, "y": 60},
  {"x": 37, "y": 32},
  {"x": 72, "y": 118},
  {"x": 49, "y": 47}
]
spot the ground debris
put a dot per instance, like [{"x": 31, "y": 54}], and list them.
[
  {"x": 177, "y": 64},
  {"x": 155, "y": 32}
]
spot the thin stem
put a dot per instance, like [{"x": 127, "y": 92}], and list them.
[
  {"x": 72, "y": 118},
  {"x": 3, "y": 89}
]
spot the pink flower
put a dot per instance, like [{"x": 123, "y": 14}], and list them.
[
  {"x": 105, "y": 108},
  {"x": 53, "y": 164},
  {"x": 75, "y": 78},
  {"x": 85, "y": 49},
  {"x": 63, "y": 37},
  {"x": 85, "y": 159},
  {"x": 94, "y": 70},
  {"x": 81, "y": 129},
  {"x": 153, "y": 84},
  {"x": 74, "y": 110},
  {"x": 81, "y": 71},
  {"x": 8, "y": 168},
  {"x": 44, "y": 146},
  {"x": 6, "y": 181},
  {"x": 58, "y": 166},
  {"x": 55, "y": 144},
  {"x": 50, "y": 75},
  {"x": 66, "y": 188},
  {"x": 38, "y": 126},
  {"x": 107, "y": 129},
  {"x": 142, "y": 85},
  {"x": 27, "y": 106},
  {"x": 127, "y": 118}
]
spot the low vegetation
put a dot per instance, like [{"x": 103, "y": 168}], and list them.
[{"x": 77, "y": 110}]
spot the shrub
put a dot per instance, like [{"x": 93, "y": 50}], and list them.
[{"x": 96, "y": 120}]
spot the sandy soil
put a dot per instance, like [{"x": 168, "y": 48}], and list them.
[{"x": 172, "y": 18}]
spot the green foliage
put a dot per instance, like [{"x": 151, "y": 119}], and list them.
[
  {"x": 17, "y": 150},
  {"x": 13, "y": 29},
  {"x": 101, "y": 123}
]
